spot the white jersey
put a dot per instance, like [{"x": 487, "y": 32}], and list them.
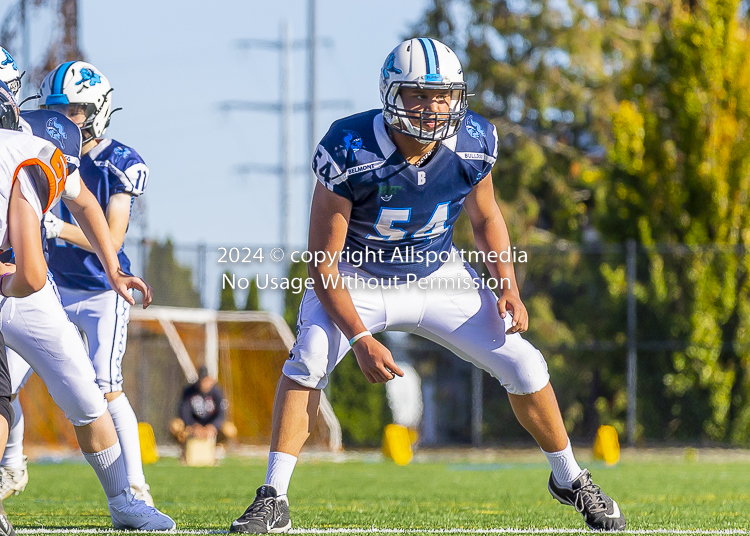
[{"x": 38, "y": 165}]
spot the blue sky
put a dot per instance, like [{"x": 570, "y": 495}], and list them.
[{"x": 171, "y": 64}]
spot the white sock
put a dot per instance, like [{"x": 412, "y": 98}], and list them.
[
  {"x": 126, "y": 424},
  {"x": 13, "y": 455},
  {"x": 564, "y": 466},
  {"x": 110, "y": 469},
  {"x": 280, "y": 469}
]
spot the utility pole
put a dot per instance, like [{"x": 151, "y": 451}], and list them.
[
  {"x": 631, "y": 252},
  {"x": 286, "y": 108},
  {"x": 25, "y": 45},
  {"x": 286, "y": 131},
  {"x": 312, "y": 98}
]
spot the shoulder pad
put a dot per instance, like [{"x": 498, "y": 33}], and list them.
[
  {"x": 47, "y": 172},
  {"x": 127, "y": 165},
  {"x": 476, "y": 143},
  {"x": 57, "y": 129},
  {"x": 348, "y": 148}
]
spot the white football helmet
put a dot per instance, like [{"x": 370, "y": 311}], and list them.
[
  {"x": 9, "y": 72},
  {"x": 78, "y": 87},
  {"x": 423, "y": 63}
]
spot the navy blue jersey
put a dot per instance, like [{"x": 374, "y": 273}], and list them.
[
  {"x": 403, "y": 210},
  {"x": 109, "y": 168},
  {"x": 56, "y": 129}
]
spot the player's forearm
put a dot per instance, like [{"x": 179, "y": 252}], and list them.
[
  {"x": 491, "y": 235},
  {"x": 336, "y": 300},
  {"x": 22, "y": 284},
  {"x": 74, "y": 235},
  {"x": 23, "y": 233}
]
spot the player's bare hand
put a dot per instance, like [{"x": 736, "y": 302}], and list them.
[
  {"x": 122, "y": 282},
  {"x": 7, "y": 268},
  {"x": 375, "y": 360},
  {"x": 510, "y": 303}
]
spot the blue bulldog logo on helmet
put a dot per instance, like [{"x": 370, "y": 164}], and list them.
[
  {"x": 8, "y": 59},
  {"x": 87, "y": 75},
  {"x": 389, "y": 67},
  {"x": 352, "y": 141},
  {"x": 56, "y": 131},
  {"x": 474, "y": 129}
]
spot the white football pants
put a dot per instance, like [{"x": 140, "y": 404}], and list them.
[
  {"x": 448, "y": 310},
  {"x": 102, "y": 316},
  {"x": 37, "y": 328}
]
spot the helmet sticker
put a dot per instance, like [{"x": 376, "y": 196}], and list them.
[
  {"x": 87, "y": 75},
  {"x": 8, "y": 59},
  {"x": 389, "y": 67}
]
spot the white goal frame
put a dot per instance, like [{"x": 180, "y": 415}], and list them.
[{"x": 167, "y": 316}]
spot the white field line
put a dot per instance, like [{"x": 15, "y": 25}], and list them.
[{"x": 375, "y": 530}]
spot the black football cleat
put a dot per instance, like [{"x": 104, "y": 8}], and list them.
[
  {"x": 598, "y": 510},
  {"x": 267, "y": 514}
]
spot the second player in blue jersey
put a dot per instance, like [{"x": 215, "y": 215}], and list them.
[{"x": 116, "y": 175}]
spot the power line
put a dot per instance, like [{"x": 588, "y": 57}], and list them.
[{"x": 285, "y": 107}]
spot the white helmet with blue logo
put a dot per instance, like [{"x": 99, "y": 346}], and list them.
[
  {"x": 9, "y": 72},
  {"x": 77, "y": 87},
  {"x": 423, "y": 63}
]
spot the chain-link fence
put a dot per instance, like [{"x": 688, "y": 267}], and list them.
[{"x": 653, "y": 340}]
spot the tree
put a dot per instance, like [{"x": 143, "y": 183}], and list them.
[
  {"x": 226, "y": 296},
  {"x": 252, "y": 303},
  {"x": 656, "y": 151},
  {"x": 547, "y": 74},
  {"x": 292, "y": 299},
  {"x": 680, "y": 174},
  {"x": 172, "y": 282}
]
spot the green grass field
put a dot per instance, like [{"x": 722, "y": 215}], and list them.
[{"x": 656, "y": 493}]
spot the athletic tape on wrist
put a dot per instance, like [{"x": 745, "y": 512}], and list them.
[{"x": 359, "y": 336}]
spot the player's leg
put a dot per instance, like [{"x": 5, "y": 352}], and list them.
[
  {"x": 6, "y": 419},
  {"x": 104, "y": 317},
  {"x": 38, "y": 329},
  {"x": 14, "y": 465},
  {"x": 466, "y": 321},
  {"x": 319, "y": 347}
]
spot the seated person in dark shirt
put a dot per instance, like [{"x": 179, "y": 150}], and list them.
[{"x": 201, "y": 412}]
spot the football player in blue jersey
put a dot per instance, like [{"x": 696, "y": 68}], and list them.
[
  {"x": 392, "y": 183},
  {"x": 116, "y": 175},
  {"x": 37, "y": 327},
  {"x": 34, "y": 322}
]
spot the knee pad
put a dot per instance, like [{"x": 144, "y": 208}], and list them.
[{"x": 6, "y": 410}]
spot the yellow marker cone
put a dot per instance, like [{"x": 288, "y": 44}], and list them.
[
  {"x": 397, "y": 444},
  {"x": 149, "y": 451},
  {"x": 607, "y": 445}
]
